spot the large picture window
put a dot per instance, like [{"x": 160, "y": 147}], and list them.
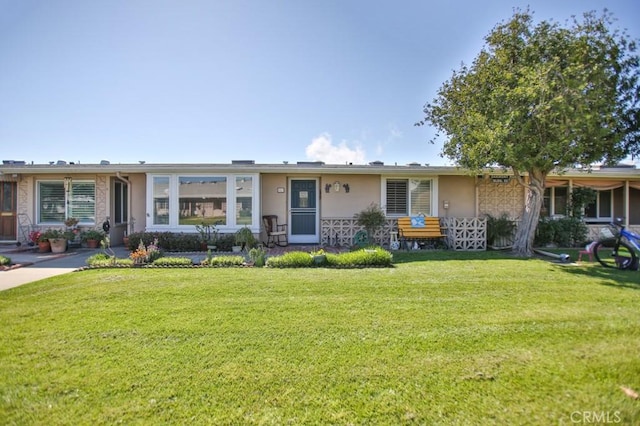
[
  {"x": 202, "y": 199},
  {"x": 181, "y": 202},
  {"x": 55, "y": 204},
  {"x": 409, "y": 197}
]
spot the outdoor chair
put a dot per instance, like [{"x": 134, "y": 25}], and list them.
[
  {"x": 276, "y": 232},
  {"x": 588, "y": 250}
]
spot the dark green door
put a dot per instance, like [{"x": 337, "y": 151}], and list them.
[{"x": 304, "y": 211}]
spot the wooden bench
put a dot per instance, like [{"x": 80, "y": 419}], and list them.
[{"x": 423, "y": 230}]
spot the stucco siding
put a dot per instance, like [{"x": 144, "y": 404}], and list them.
[
  {"x": 460, "y": 194},
  {"x": 272, "y": 201},
  {"x": 363, "y": 190}
]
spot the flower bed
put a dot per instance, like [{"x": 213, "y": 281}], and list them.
[{"x": 363, "y": 258}]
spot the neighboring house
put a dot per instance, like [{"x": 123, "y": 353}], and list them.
[{"x": 316, "y": 200}]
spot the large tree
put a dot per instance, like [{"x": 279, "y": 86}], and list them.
[{"x": 540, "y": 98}]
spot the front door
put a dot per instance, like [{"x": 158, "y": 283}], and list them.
[
  {"x": 303, "y": 214},
  {"x": 8, "y": 211}
]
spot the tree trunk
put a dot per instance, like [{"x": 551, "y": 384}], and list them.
[{"x": 523, "y": 244}]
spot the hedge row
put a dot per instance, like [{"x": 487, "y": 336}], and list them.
[{"x": 178, "y": 242}]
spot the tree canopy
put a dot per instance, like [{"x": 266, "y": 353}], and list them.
[{"x": 540, "y": 98}]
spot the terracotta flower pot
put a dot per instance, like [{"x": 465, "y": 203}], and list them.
[
  {"x": 44, "y": 246},
  {"x": 92, "y": 244}
]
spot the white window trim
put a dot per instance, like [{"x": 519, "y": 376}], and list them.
[
  {"x": 434, "y": 193},
  {"x": 66, "y": 201},
  {"x": 552, "y": 202},
  {"x": 230, "y": 226},
  {"x": 598, "y": 218}
]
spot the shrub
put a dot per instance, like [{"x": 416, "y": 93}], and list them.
[
  {"x": 372, "y": 257},
  {"x": 225, "y": 242},
  {"x": 173, "y": 261},
  {"x": 372, "y": 218},
  {"x": 563, "y": 232},
  {"x": 167, "y": 241},
  {"x": 111, "y": 262},
  {"x": 292, "y": 259},
  {"x": 499, "y": 228},
  {"x": 4, "y": 260},
  {"x": 224, "y": 261},
  {"x": 377, "y": 257},
  {"x": 98, "y": 257}
]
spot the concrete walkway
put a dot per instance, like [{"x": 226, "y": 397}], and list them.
[{"x": 28, "y": 265}]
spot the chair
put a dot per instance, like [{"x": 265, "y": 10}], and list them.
[
  {"x": 276, "y": 232},
  {"x": 588, "y": 250}
]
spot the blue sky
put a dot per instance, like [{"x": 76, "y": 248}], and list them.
[{"x": 212, "y": 81}]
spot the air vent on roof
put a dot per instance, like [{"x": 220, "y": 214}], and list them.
[
  {"x": 243, "y": 162},
  {"x": 376, "y": 163}
]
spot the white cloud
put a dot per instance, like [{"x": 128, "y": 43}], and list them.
[{"x": 322, "y": 148}]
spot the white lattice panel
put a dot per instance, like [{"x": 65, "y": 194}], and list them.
[
  {"x": 340, "y": 232},
  {"x": 466, "y": 233}
]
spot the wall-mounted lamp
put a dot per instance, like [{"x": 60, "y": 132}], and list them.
[
  {"x": 327, "y": 188},
  {"x": 346, "y": 188},
  {"x": 336, "y": 186}
]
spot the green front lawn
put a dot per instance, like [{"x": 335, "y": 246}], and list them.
[{"x": 441, "y": 338}]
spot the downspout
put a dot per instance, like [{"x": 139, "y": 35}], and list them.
[{"x": 129, "y": 221}]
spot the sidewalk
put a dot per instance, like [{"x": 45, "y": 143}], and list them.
[{"x": 29, "y": 265}]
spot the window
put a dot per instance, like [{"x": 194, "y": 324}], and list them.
[
  {"x": 202, "y": 199},
  {"x": 180, "y": 202},
  {"x": 397, "y": 197},
  {"x": 121, "y": 202},
  {"x": 244, "y": 200},
  {"x": 160, "y": 200},
  {"x": 555, "y": 201},
  {"x": 602, "y": 208},
  {"x": 55, "y": 204},
  {"x": 406, "y": 197}
]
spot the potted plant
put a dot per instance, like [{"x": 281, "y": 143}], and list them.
[
  {"x": 41, "y": 240},
  {"x": 372, "y": 218},
  {"x": 244, "y": 238},
  {"x": 208, "y": 236},
  {"x": 57, "y": 239},
  {"x": 500, "y": 231},
  {"x": 92, "y": 237}
]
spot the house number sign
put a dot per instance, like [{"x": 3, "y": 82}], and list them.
[{"x": 500, "y": 179}]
